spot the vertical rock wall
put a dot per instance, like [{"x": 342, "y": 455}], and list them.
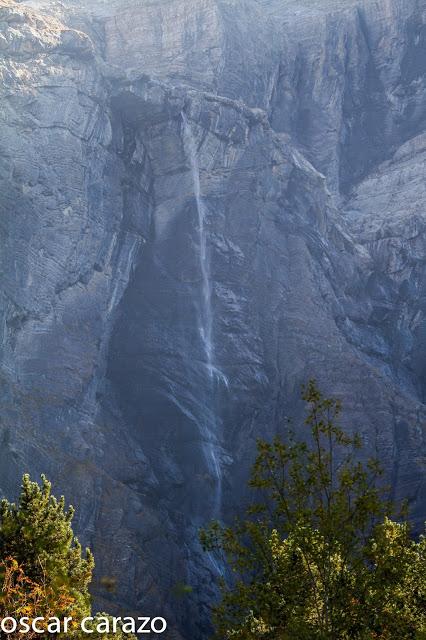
[{"x": 202, "y": 205}]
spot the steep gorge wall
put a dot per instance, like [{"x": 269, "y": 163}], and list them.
[{"x": 294, "y": 134}]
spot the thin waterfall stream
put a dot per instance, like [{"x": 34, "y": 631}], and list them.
[
  {"x": 206, "y": 319},
  {"x": 215, "y": 376}
]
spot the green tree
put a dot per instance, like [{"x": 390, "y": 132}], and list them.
[
  {"x": 43, "y": 569},
  {"x": 317, "y": 554},
  {"x": 37, "y": 533}
]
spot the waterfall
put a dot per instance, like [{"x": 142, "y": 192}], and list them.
[
  {"x": 206, "y": 314},
  {"x": 209, "y": 423}
]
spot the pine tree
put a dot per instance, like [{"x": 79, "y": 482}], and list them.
[
  {"x": 38, "y": 535},
  {"x": 43, "y": 570}
]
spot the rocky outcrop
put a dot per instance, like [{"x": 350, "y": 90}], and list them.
[{"x": 203, "y": 204}]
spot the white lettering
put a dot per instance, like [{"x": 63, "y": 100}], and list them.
[
  {"x": 154, "y": 624},
  {"x": 83, "y": 625},
  {"x": 66, "y": 623},
  {"x": 5, "y": 625},
  {"x": 129, "y": 625},
  {"x": 25, "y": 627},
  {"x": 115, "y": 622},
  {"x": 54, "y": 625},
  {"x": 34, "y": 626},
  {"x": 103, "y": 625},
  {"x": 142, "y": 629}
]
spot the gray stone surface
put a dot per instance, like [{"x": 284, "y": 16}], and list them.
[{"x": 203, "y": 203}]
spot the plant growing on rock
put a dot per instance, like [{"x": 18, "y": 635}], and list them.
[
  {"x": 317, "y": 554},
  {"x": 43, "y": 569},
  {"x": 38, "y": 535}
]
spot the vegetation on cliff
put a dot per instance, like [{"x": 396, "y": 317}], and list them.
[
  {"x": 44, "y": 572},
  {"x": 318, "y": 554}
]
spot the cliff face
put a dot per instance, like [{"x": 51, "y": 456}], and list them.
[{"x": 203, "y": 203}]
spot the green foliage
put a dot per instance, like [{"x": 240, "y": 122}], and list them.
[
  {"x": 317, "y": 555},
  {"x": 53, "y": 574},
  {"x": 180, "y": 590},
  {"x": 37, "y": 533}
]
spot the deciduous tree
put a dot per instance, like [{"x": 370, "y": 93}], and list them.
[{"x": 317, "y": 554}]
